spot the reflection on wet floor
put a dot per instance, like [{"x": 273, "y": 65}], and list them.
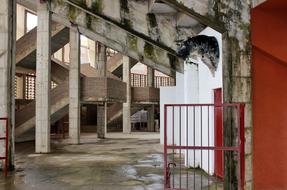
[{"x": 114, "y": 163}]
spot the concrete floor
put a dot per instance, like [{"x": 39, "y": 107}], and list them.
[
  {"x": 120, "y": 162},
  {"x": 130, "y": 162}
]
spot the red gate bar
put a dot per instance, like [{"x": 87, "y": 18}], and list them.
[
  {"x": 233, "y": 153},
  {"x": 5, "y": 158}
]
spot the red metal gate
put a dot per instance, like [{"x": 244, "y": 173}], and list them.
[
  {"x": 190, "y": 148},
  {"x": 4, "y": 137}
]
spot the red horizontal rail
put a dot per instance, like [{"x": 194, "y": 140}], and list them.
[
  {"x": 235, "y": 148},
  {"x": 201, "y": 105}
]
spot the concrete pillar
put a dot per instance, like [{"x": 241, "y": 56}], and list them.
[
  {"x": 74, "y": 87},
  {"x": 7, "y": 74},
  {"x": 150, "y": 83},
  {"x": 102, "y": 120},
  {"x": 43, "y": 78},
  {"x": 101, "y": 66},
  {"x": 151, "y": 123},
  {"x": 150, "y": 77},
  {"x": 127, "y": 104},
  {"x": 101, "y": 59}
]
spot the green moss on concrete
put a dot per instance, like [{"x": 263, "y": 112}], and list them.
[
  {"x": 127, "y": 23},
  {"x": 89, "y": 21},
  {"x": 152, "y": 20},
  {"x": 58, "y": 2},
  {"x": 149, "y": 51},
  {"x": 73, "y": 13},
  {"x": 172, "y": 61},
  {"x": 132, "y": 42},
  {"x": 97, "y": 6},
  {"x": 125, "y": 6}
]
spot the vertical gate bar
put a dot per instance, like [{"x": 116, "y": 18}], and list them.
[
  {"x": 187, "y": 159},
  {"x": 194, "y": 145},
  {"x": 165, "y": 146},
  {"x": 231, "y": 166},
  {"x": 229, "y": 153},
  {"x": 173, "y": 145},
  {"x": 216, "y": 151},
  {"x": 180, "y": 146},
  {"x": 242, "y": 146},
  {"x": 6, "y": 153},
  {"x": 208, "y": 145},
  {"x": 201, "y": 162}
]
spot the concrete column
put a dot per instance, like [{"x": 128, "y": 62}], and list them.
[
  {"x": 101, "y": 59},
  {"x": 43, "y": 78},
  {"x": 150, "y": 77},
  {"x": 74, "y": 87},
  {"x": 150, "y": 83},
  {"x": 102, "y": 120},
  {"x": 7, "y": 74},
  {"x": 151, "y": 123},
  {"x": 127, "y": 104},
  {"x": 101, "y": 66}
]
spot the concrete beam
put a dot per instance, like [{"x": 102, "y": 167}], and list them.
[
  {"x": 180, "y": 6},
  {"x": 123, "y": 39},
  {"x": 74, "y": 87},
  {"x": 7, "y": 73},
  {"x": 43, "y": 79},
  {"x": 127, "y": 105}
]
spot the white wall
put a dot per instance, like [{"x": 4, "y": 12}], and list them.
[{"x": 196, "y": 85}]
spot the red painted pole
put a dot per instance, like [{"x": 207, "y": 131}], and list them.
[
  {"x": 242, "y": 145},
  {"x": 6, "y": 157},
  {"x": 165, "y": 147}
]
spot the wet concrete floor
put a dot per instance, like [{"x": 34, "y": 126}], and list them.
[
  {"x": 115, "y": 163},
  {"x": 120, "y": 162}
]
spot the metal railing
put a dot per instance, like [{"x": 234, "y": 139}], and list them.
[
  {"x": 204, "y": 146},
  {"x": 4, "y": 137}
]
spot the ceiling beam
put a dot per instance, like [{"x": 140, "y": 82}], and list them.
[{"x": 200, "y": 18}]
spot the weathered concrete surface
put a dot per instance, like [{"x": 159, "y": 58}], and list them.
[
  {"x": 101, "y": 59},
  {"x": 74, "y": 86},
  {"x": 151, "y": 123},
  {"x": 150, "y": 77},
  {"x": 7, "y": 73},
  {"x": 131, "y": 36},
  {"x": 127, "y": 105},
  {"x": 232, "y": 18},
  {"x": 43, "y": 80},
  {"x": 102, "y": 120},
  {"x": 120, "y": 162}
]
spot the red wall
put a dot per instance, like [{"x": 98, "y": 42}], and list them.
[
  {"x": 269, "y": 72},
  {"x": 270, "y": 122}
]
